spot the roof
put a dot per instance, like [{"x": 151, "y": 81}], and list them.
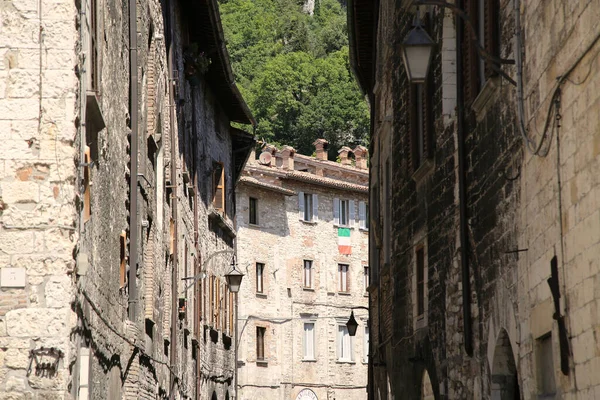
[
  {"x": 322, "y": 181},
  {"x": 242, "y": 144},
  {"x": 362, "y": 28},
  {"x": 267, "y": 186},
  {"x": 332, "y": 164},
  {"x": 205, "y": 29}
]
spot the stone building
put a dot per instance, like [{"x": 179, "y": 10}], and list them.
[
  {"x": 485, "y": 272},
  {"x": 95, "y": 249},
  {"x": 302, "y": 243}
]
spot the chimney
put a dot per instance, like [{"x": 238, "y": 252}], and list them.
[
  {"x": 287, "y": 155},
  {"x": 360, "y": 155},
  {"x": 321, "y": 148},
  {"x": 343, "y": 153}
]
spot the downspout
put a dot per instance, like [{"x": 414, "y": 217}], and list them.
[
  {"x": 175, "y": 266},
  {"x": 133, "y": 173},
  {"x": 462, "y": 192}
]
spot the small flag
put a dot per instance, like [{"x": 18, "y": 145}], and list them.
[{"x": 344, "y": 241}]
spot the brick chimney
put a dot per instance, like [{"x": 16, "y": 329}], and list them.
[
  {"x": 360, "y": 155},
  {"x": 321, "y": 148},
  {"x": 343, "y": 153},
  {"x": 287, "y": 156}
]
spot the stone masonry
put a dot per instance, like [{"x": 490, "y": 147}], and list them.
[
  {"x": 281, "y": 239},
  {"x": 72, "y": 323},
  {"x": 529, "y": 218}
]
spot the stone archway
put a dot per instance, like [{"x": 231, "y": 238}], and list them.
[
  {"x": 426, "y": 387},
  {"x": 505, "y": 380}
]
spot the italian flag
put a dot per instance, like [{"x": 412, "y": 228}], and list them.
[{"x": 344, "y": 241}]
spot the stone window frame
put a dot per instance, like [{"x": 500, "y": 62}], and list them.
[
  {"x": 309, "y": 215},
  {"x": 309, "y": 319},
  {"x": 343, "y": 287},
  {"x": 341, "y": 327},
  {"x": 260, "y": 283},
  {"x": 420, "y": 321},
  {"x": 253, "y": 211},
  {"x": 311, "y": 279},
  {"x": 545, "y": 374},
  {"x": 261, "y": 334}
]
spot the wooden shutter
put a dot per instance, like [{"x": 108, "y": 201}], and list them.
[
  {"x": 231, "y": 313},
  {"x": 351, "y": 213},
  {"x": 301, "y": 205},
  {"x": 362, "y": 211},
  {"x": 492, "y": 32},
  {"x": 413, "y": 131},
  {"x": 471, "y": 58},
  {"x": 123, "y": 264},
  {"x": 315, "y": 207},
  {"x": 336, "y": 211},
  {"x": 87, "y": 207},
  {"x": 219, "y": 187},
  {"x": 428, "y": 117}
]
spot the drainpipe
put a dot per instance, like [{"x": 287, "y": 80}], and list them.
[
  {"x": 462, "y": 192},
  {"x": 174, "y": 271},
  {"x": 133, "y": 190}
]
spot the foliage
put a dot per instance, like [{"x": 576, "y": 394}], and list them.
[{"x": 293, "y": 71}]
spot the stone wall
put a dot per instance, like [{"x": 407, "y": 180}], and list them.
[
  {"x": 524, "y": 211},
  {"x": 37, "y": 194}
]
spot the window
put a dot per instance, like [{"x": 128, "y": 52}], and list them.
[
  {"x": 363, "y": 215},
  {"x": 343, "y": 277},
  {"x": 260, "y": 269},
  {"x": 545, "y": 367},
  {"x": 93, "y": 34},
  {"x": 307, "y": 274},
  {"x": 421, "y": 138},
  {"x": 87, "y": 209},
  {"x": 308, "y": 206},
  {"x": 343, "y": 212},
  {"x": 366, "y": 345},
  {"x": 420, "y": 254},
  {"x": 219, "y": 194},
  {"x": 253, "y": 218},
  {"x": 344, "y": 344},
  {"x": 260, "y": 343},
  {"x": 123, "y": 264},
  {"x": 309, "y": 341},
  {"x": 366, "y": 277}
]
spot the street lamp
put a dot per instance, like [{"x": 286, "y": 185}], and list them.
[
  {"x": 417, "y": 49},
  {"x": 234, "y": 277},
  {"x": 352, "y": 325}
]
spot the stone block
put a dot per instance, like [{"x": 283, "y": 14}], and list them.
[
  {"x": 15, "y": 384},
  {"x": 23, "y": 83},
  {"x": 20, "y": 192},
  {"x": 22, "y": 109},
  {"x": 58, "y": 291},
  {"x": 32, "y": 322},
  {"x": 16, "y": 358}
]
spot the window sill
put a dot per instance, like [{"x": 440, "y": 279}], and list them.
[
  {"x": 366, "y": 293},
  {"x": 223, "y": 221},
  {"x": 364, "y": 230},
  {"x": 308, "y": 222},
  {"x": 261, "y": 295},
  {"x": 310, "y": 360},
  {"x": 255, "y": 226},
  {"x": 262, "y": 363},
  {"x": 345, "y": 293},
  {"x": 424, "y": 170},
  {"x": 420, "y": 323},
  {"x": 308, "y": 289},
  {"x": 345, "y": 362},
  {"x": 343, "y": 226},
  {"x": 486, "y": 97}
]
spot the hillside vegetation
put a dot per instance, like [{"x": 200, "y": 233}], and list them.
[{"x": 293, "y": 70}]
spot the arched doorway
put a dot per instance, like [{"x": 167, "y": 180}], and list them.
[
  {"x": 505, "y": 380},
  {"x": 426, "y": 387}
]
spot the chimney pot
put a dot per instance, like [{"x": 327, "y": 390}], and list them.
[
  {"x": 321, "y": 149},
  {"x": 287, "y": 155},
  {"x": 343, "y": 153},
  {"x": 360, "y": 155}
]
